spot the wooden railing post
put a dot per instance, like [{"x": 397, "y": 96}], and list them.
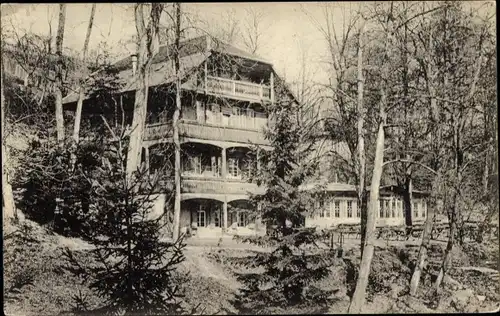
[
  {"x": 206, "y": 77},
  {"x": 224, "y": 163}
]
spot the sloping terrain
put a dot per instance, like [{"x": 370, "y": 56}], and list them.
[{"x": 36, "y": 283}]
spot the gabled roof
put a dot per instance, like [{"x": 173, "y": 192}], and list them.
[
  {"x": 344, "y": 187},
  {"x": 193, "y": 53},
  {"x": 331, "y": 186}
]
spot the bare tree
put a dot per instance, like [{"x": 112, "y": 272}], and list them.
[
  {"x": 252, "y": 30},
  {"x": 59, "y": 75},
  {"x": 147, "y": 40},
  {"x": 345, "y": 53},
  {"x": 81, "y": 89},
  {"x": 358, "y": 297},
  {"x": 8, "y": 204},
  {"x": 175, "y": 122},
  {"x": 459, "y": 63}
]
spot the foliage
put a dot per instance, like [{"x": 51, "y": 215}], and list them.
[
  {"x": 52, "y": 191},
  {"x": 295, "y": 262},
  {"x": 136, "y": 270}
]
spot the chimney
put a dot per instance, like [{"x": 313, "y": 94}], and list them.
[
  {"x": 209, "y": 42},
  {"x": 134, "y": 64}
]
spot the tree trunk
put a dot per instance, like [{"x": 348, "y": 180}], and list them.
[
  {"x": 361, "y": 140},
  {"x": 449, "y": 247},
  {"x": 177, "y": 145},
  {"x": 79, "y": 105},
  {"x": 358, "y": 298},
  {"x": 8, "y": 204},
  {"x": 436, "y": 208},
  {"x": 407, "y": 197},
  {"x": 147, "y": 45},
  {"x": 59, "y": 76}
]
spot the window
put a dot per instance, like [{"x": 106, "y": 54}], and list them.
[
  {"x": 242, "y": 219},
  {"x": 216, "y": 163},
  {"x": 424, "y": 209},
  {"x": 236, "y": 117},
  {"x": 194, "y": 164},
  {"x": 358, "y": 209},
  {"x": 248, "y": 167},
  {"x": 386, "y": 208},
  {"x": 217, "y": 114},
  {"x": 393, "y": 209},
  {"x": 413, "y": 209},
  {"x": 337, "y": 209},
  {"x": 349, "y": 208},
  {"x": 217, "y": 220},
  {"x": 417, "y": 209},
  {"x": 251, "y": 118},
  {"x": 321, "y": 207},
  {"x": 233, "y": 167},
  {"x": 201, "y": 216},
  {"x": 381, "y": 208}
]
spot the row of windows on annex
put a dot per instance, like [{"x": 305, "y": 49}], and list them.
[{"x": 387, "y": 208}]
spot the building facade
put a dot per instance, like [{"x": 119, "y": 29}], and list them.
[
  {"x": 224, "y": 92},
  {"x": 339, "y": 205},
  {"x": 224, "y": 95}
]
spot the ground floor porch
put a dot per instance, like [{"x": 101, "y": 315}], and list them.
[{"x": 212, "y": 217}]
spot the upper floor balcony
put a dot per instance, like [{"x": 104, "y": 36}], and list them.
[
  {"x": 207, "y": 131},
  {"x": 238, "y": 89}
]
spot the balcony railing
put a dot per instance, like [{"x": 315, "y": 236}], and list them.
[
  {"x": 208, "y": 132},
  {"x": 210, "y": 186},
  {"x": 239, "y": 89}
]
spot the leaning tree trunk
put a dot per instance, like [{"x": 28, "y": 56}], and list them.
[
  {"x": 79, "y": 104},
  {"x": 177, "y": 145},
  {"x": 436, "y": 208},
  {"x": 455, "y": 213},
  {"x": 8, "y": 205},
  {"x": 358, "y": 298},
  {"x": 147, "y": 37},
  {"x": 59, "y": 76},
  {"x": 361, "y": 141}
]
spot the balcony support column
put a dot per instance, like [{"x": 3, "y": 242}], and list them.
[
  {"x": 224, "y": 163},
  {"x": 146, "y": 158},
  {"x": 224, "y": 212},
  {"x": 258, "y": 159}
]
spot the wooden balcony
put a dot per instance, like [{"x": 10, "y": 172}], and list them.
[
  {"x": 210, "y": 186},
  {"x": 238, "y": 89},
  {"x": 204, "y": 131},
  {"x": 217, "y": 186}
]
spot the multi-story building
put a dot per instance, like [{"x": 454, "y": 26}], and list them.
[{"x": 224, "y": 95}]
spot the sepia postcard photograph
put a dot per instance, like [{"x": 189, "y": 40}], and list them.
[{"x": 244, "y": 158}]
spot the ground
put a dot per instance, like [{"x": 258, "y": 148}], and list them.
[{"x": 36, "y": 283}]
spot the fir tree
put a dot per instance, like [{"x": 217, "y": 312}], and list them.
[
  {"x": 135, "y": 268},
  {"x": 294, "y": 264}
]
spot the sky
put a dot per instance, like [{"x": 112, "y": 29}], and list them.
[{"x": 288, "y": 32}]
